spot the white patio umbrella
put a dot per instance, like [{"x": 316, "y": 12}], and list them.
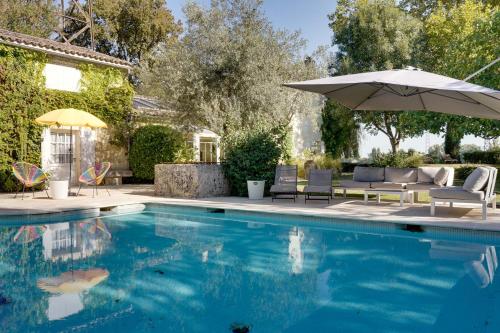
[{"x": 407, "y": 89}]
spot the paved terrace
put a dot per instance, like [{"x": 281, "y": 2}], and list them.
[{"x": 351, "y": 208}]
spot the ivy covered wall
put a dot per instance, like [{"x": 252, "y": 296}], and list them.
[{"x": 105, "y": 92}]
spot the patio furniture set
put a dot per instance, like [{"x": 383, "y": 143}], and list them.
[
  {"x": 478, "y": 188},
  {"x": 31, "y": 176}
]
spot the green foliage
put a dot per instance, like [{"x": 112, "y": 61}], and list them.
[
  {"x": 436, "y": 153},
  {"x": 340, "y": 131},
  {"x": 23, "y": 97},
  {"x": 457, "y": 41},
  {"x": 321, "y": 161},
  {"x": 478, "y": 156},
  {"x": 400, "y": 159},
  {"x": 376, "y": 35},
  {"x": 153, "y": 144},
  {"x": 32, "y": 17},
  {"x": 253, "y": 155},
  {"x": 186, "y": 154},
  {"x": 228, "y": 68},
  {"x": 8, "y": 183},
  {"x": 21, "y": 101},
  {"x": 128, "y": 29},
  {"x": 464, "y": 171}
]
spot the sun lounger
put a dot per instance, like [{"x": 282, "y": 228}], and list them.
[
  {"x": 319, "y": 185},
  {"x": 285, "y": 182}
]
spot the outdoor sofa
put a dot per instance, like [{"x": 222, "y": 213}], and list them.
[
  {"x": 478, "y": 188},
  {"x": 420, "y": 179}
]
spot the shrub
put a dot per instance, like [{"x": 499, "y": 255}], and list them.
[
  {"x": 253, "y": 155},
  {"x": 321, "y": 161},
  {"x": 8, "y": 183},
  {"x": 400, "y": 159},
  {"x": 464, "y": 171},
  {"x": 153, "y": 144},
  {"x": 479, "y": 156}
]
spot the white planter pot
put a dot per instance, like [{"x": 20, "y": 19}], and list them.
[
  {"x": 58, "y": 189},
  {"x": 255, "y": 189}
]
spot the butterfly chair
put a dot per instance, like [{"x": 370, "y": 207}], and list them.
[
  {"x": 29, "y": 175},
  {"x": 94, "y": 176}
]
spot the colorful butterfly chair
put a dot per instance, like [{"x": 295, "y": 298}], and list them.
[
  {"x": 94, "y": 176},
  {"x": 29, "y": 175}
]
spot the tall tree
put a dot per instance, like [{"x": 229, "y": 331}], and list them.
[
  {"x": 459, "y": 40},
  {"x": 340, "y": 131},
  {"x": 376, "y": 35},
  {"x": 128, "y": 29},
  {"x": 227, "y": 71},
  {"x": 32, "y": 17}
]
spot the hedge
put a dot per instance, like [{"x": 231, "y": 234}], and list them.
[
  {"x": 486, "y": 157},
  {"x": 253, "y": 155},
  {"x": 154, "y": 144}
]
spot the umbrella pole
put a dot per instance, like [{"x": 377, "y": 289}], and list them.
[{"x": 70, "y": 158}]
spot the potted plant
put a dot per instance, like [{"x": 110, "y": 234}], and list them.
[{"x": 256, "y": 189}]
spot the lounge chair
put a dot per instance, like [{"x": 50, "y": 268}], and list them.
[
  {"x": 285, "y": 182},
  {"x": 29, "y": 175},
  {"x": 319, "y": 184},
  {"x": 94, "y": 176},
  {"x": 478, "y": 188}
]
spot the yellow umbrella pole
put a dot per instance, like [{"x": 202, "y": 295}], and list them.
[{"x": 70, "y": 159}]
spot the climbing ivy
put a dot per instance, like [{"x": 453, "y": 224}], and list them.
[{"x": 105, "y": 92}]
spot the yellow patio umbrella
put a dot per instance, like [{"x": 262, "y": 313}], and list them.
[
  {"x": 73, "y": 281},
  {"x": 72, "y": 118}
]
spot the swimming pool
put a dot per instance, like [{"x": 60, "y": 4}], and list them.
[{"x": 172, "y": 269}]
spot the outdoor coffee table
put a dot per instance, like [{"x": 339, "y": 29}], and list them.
[{"x": 403, "y": 194}]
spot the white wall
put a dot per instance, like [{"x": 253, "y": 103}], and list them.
[{"x": 60, "y": 77}]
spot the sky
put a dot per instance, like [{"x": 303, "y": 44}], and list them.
[{"x": 310, "y": 18}]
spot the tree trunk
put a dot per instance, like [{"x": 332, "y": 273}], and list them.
[
  {"x": 394, "y": 144},
  {"x": 452, "y": 138}
]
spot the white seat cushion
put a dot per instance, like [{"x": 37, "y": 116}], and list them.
[
  {"x": 354, "y": 184},
  {"x": 455, "y": 192},
  {"x": 368, "y": 174},
  {"x": 389, "y": 186},
  {"x": 421, "y": 186},
  {"x": 400, "y": 175}
]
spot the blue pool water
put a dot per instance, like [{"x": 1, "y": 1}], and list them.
[{"x": 190, "y": 270}]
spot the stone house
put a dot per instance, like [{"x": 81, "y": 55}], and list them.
[{"x": 61, "y": 72}]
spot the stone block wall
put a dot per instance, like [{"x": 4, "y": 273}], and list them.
[{"x": 190, "y": 180}]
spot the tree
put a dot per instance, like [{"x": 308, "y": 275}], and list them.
[
  {"x": 457, "y": 42},
  {"x": 340, "y": 131},
  {"x": 376, "y": 35},
  {"x": 32, "y": 17},
  {"x": 128, "y": 29},
  {"x": 227, "y": 71}
]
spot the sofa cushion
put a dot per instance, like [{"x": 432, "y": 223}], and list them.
[
  {"x": 476, "y": 180},
  {"x": 455, "y": 192},
  {"x": 400, "y": 175},
  {"x": 368, "y": 174},
  {"x": 388, "y": 185},
  {"x": 441, "y": 177},
  {"x": 354, "y": 184},
  {"x": 421, "y": 186},
  {"x": 427, "y": 174}
]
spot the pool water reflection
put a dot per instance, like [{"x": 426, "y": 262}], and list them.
[{"x": 166, "y": 270}]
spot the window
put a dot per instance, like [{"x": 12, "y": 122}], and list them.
[
  {"x": 60, "y": 144},
  {"x": 208, "y": 151}
]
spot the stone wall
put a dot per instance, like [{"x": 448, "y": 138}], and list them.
[{"x": 190, "y": 180}]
